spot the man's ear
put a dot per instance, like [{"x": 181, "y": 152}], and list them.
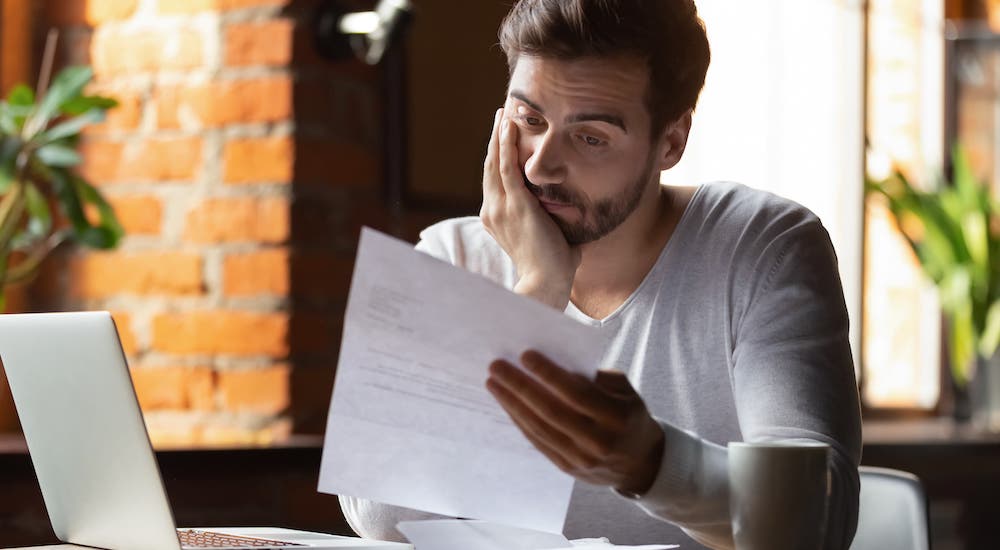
[{"x": 673, "y": 141}]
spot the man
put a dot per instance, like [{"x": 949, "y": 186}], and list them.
[{"x": 721, "y": 306}]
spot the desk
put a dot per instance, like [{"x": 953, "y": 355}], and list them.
[
  {"x": 245, "y": 486},
  {"x": 960, "y": 469},
  {"x": 233, "y": 486}
]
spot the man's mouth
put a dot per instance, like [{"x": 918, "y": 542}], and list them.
[
  {"x": 544, "y": 198},
  {"x": 553, "y": 207}
]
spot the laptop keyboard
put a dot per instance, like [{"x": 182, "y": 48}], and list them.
[{"x": 191, "y": 538}]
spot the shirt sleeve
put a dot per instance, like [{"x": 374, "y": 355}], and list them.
[
  {"x": 793, "y": 379},
  {"x": 375, "y": 520}
]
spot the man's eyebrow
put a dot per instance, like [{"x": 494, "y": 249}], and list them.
[
  {"x": 524, "y": 99},
  {"x": 599, "y": 117},
  {"x": 614, "y": 120}
]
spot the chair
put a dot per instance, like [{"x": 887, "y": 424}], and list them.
[{"x": 893, "y": 511}]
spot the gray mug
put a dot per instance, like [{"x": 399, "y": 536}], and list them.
[{"x": 779, "y": 493}]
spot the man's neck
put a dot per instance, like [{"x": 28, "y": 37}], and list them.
[{"x": 614, "y": 266}]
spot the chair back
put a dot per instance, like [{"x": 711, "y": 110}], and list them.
[{"x": 892, "y": 514}]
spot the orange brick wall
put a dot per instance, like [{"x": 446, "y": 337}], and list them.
[{"x": 242, "y": 168}]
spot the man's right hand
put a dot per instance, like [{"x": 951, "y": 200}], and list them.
[{"x": 546, "y": 263}]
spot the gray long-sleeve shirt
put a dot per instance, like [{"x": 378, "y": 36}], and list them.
[{"x": 737, "y": 333}]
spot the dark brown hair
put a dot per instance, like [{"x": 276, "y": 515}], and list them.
[{"x": 667, "y": 34}]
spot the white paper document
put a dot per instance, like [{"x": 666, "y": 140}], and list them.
[
  {"x": 476, "y": 535},
  {"x": 411, "y": 422},
  {"x": 481, "y": 535}
]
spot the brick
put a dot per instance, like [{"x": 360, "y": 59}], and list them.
[
  {"x": 261, "y": 390},
  {"x": 225, "y": 102},
  {"x": 117, "y": 52},
  {"x": 126, "y": 116},
  {"x": 195, "y": 6},
  {"x": 259, "y": 43},
  {"x": 168, "y": 159},
  {"x": 139, "y": 215},
  {"x": 237, "y": 333},
  {"x": 258, "y": 160},
  {"x": 123, "y": 322},
  {"x": 265, "y": 272},
  {"x": 90, "y": 12},
  {"x": 106, "y": 274},
  {"x": 245, "y": 219},
  {"x": 184, "y": 388}
]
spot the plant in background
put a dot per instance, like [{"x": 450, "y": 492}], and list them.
[
  {"x": 38, "y": 139},
  {"x": 955, "y": 232}
]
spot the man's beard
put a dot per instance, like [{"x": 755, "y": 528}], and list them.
[{"x": 596, "y": 219}]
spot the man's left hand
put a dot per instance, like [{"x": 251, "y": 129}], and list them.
[{"x": 598, "y": 431}]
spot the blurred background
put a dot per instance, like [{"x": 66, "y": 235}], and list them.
[{"x": 253, "y": 138}]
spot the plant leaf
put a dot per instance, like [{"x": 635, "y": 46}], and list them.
[
  {"x": 39, "y": 219},
  {"x": 12, "y": 117},
  {"x": 82, "y": 104},
  {"x": 67, "y": 85},
  {"x": 21, "y": 95},
  {"x": 963, "y": 346},
  {"x": 7, "y": 124},
  {"x": 55, "y": 154},
  {"x": 71, "y": 127},
  {"x": 109, "y": 231},
  {"x": 11, "y": 213},
  {"x": 990, "y": 339}
]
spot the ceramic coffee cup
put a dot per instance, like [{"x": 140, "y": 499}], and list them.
[{"x": 779, "y": 493}]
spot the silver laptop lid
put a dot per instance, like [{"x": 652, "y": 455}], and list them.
[{"x": 85, "y": 431}]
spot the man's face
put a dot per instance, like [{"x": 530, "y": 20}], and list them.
[{"x": 583, "y": 140}]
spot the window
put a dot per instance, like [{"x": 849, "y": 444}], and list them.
[{"x": 782, "y": 111}]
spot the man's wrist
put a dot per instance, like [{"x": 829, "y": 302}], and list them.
[
  {"x": 647, "y": 477},
  {"x": 548, "y": 290}
]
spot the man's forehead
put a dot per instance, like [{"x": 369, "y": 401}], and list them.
[{"x": 611, "y": 83}]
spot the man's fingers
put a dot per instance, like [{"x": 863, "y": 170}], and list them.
[
  {"x": 554, "y": 445},
  {"x": 575, "y": 389},
  {"x": 492, "y": 185},
  {"x": 615, "y": 382},
  {"x": 526, "y": 397},
  {"x": 510, "y": 169}
]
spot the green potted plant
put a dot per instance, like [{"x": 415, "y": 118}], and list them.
[
  {"x": 43, "y": 201},
  {"x": 38, "y": 139},
  {"x": 954, "y": 230}
]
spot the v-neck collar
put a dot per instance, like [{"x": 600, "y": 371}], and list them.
[{"x": 575, "y": 312}]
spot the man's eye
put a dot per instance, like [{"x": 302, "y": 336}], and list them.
[
  {"x": 592, "y": 141},
  {"x": 532, "y": 121}
]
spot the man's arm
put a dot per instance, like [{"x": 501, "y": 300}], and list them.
[{"x": 793, "y": 379}]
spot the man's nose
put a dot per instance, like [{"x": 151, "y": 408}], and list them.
[{"x": 546, "y": 162}]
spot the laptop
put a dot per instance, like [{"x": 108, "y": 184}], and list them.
[{"x": 88, "y": 442}]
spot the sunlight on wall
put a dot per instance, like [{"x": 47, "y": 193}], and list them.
[{"x": 782, "y": 111}]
